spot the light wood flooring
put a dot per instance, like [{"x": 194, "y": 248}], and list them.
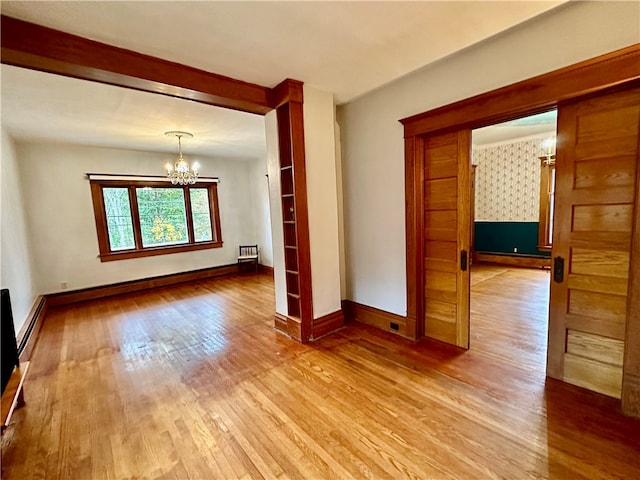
[
  {"x": 509, "y": 316},
  {"x": 192, "y": 381}
]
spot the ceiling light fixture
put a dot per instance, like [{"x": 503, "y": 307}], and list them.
[
  {"x": 179, "y": 173},
  {"x": 550, "y": 145}
]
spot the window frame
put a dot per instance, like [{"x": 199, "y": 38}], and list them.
[
  {"x": 99, "y": 210},
  {"x": 547, "y": 166}
]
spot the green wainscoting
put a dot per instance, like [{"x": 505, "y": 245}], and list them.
[{"x": 503, "y": 237}]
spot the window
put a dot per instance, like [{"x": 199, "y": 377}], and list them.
[
  {"x": 137, "y": 218},
  {"x": 547, "y": 202}
]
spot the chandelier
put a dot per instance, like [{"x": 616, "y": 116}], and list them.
[
  {"x": 549, "y": 158},
  {"x": 179, "y": 173}
]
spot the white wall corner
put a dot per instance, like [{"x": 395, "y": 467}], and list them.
[
  {"x": 260, "y": 214},
  {"x": 339, "y": 186},
  {"x": 16, "y": 258}
]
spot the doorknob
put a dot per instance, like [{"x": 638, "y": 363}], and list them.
[{"x": 558, "y": 269}]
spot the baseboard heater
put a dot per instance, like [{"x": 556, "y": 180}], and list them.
[{"x": 514, "y": 259}]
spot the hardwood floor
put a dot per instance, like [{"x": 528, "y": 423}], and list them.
[
  {"x": 509, "y": 316},
  {"x": 192, "y": 381}
]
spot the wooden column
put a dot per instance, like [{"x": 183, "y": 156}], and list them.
[{"x": 414, "y": 200}]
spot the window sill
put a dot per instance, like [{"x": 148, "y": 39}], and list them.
[{"x": 149, "y": 252}]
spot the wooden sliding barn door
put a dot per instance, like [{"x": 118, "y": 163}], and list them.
[
  {"x": 447, "y": 237},
  {"x": 597, "y": 158}
]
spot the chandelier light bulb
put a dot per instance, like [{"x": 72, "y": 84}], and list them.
[{"x": 549, "y": 144}]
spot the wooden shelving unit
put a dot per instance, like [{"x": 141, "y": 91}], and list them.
[
  {"x": 287, "y": 187},
  {"x": 294, "y": 224}
]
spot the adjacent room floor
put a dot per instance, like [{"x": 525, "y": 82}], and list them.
[
  {"x": 509, "y": 315},
  {"x": 192, "y": 381}
]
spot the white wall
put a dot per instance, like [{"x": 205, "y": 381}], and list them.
[
  {"x": 15, "y": 253},
  {"x": 275, "y": 206},
  {"x": 61, "y": 220},
  {"x": 260, "y": 210},
  {"x": 322, "y": 200},
  {"x": 372, "y": 138}
]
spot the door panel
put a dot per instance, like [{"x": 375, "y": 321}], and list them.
[
  {"x": 447, "y": 234},
  {"x": 598, "y": 263},
  {"x": 597, "y": 158},
  {"x": 443, "y": 194},
  {"x": 440, "y": 225},
  {"x": 441, "y": 256}
]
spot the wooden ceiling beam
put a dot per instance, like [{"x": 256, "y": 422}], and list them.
[{"x": 24, "y": 44}]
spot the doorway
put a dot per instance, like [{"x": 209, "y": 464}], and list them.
[
  {"x": 511, "y": 221},
  {"x": 594, "y": 307}
]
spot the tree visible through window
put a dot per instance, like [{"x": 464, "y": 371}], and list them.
[
  {"x": 150, "y": 218},
  {"x": 119, "y": 223},
  {"x": 163, "y": 218}
]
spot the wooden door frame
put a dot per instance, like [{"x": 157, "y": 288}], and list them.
[
  {"x": 536, "y": 95},
  {"x": 27, "y": 45}
]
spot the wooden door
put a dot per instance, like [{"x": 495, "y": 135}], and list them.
[
  {"x": 597, "y": 158},
  {"x": 447, "y": 237}
]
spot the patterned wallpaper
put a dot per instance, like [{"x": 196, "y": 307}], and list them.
[{"x": 508, "y": 181}]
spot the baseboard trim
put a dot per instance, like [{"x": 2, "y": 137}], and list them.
[
  {"x": 375, "y": 317},
  {"x": 280, "y": 322},
  {"x": 28, "y": 334},
  {"x": 515, "y": 261},
  {"x": 93, "y": 293},
  {"x": 265, "y": 269},
  {"x": 327, "y": 324},
  {"x": 290, "y": 326}
]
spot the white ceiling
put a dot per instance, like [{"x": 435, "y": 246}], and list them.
[
  {"x": 39, "y": 106},
  {"x": 348, "y": 48},
  {"x": 540, "y": 125}
]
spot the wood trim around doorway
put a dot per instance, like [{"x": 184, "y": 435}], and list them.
[
  {"x": 528, "y": 97},
  {"x": 535, "y": 95}
]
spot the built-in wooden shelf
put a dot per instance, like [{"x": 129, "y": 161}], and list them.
[
  {"x": 289, "y": 221},
  {"x": 293, "y": 197}
]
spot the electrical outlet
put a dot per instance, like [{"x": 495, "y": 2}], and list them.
[
  {"x": 515, "y": 249},
  {"x": 63, "y": 285}
]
